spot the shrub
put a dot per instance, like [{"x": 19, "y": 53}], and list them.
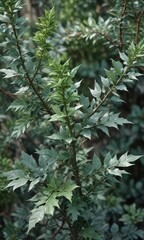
[{"x": 66, "y": 188}]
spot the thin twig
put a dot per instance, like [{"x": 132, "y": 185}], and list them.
[
  {"x": 108, "y": 38},
  {"x": 58, "y": 230},
  {"x": 9, "y": 94}
]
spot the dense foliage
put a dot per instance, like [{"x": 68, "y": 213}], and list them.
[{"x": 64, "y": 153}]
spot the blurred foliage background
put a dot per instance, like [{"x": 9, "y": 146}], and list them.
[{"x": 93, "y": 53}]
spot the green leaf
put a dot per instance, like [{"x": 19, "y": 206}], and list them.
[
  {"x": 74, "y": 71},
  {"x": 90, "y": 233},
  {"x": 9, "y": 73},
  {"x": 96, "y": 163},
  {"x": 124, "y": 57},
  {"x": 86, "y": 133},
  {"x": 4, "y": 18},
  {"x": 104, "y": 129},
  {"x": 56, "y": 136},
  {"x": 67, "y": 190},
  {"x": 21, "y": 126},
  {"x": 17, "y": 183},
  {"x": 117, "y": 67},
  {"x": 121, "y": 87},
  {"x": 116, "y": 172},
  {"x": 114, "y": 228},
  {"x": 18, "y": 104},
  {"x": 51, "y": 203},
  {"x": 107, "y": 159},
  {"x": 14, "y": 174},
  {"x": 36, "y": 216},
  {"x": 126, "y": 160},
  {"x": 111, "y": 74},
  {"x": 73, "y": 212},
  {"x": 96, "y": 92},
  {"x": 29, "y": 161},
  {"x": 33, "y": 183}
]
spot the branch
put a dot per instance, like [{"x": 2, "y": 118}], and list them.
[
  {"x": 58, "y": 230},
  {"x": 9, "y": 94},
  {"x": 121, "y": 25},
  {"x": 72, "y": 145},
  {"x": 111, "y": 90},
  {"x": 74, "y": 234},
  {"x": 108, "y": 38},
  {"x": 27, "y": 76},
  {"x": 138, "y": 22}
]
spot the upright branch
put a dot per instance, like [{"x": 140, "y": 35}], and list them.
[
  {"x": 27, "y": 76},
  {"x": 138, "y": 22},
  {"x": 72, "y": 146},
  {"x": 121, "y": 24}
]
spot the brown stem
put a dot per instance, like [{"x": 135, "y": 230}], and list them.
[
  {"x": 108, "y": 38},
  {"x": 138, "y": 22},
  {"x": 74, "y": 165},
  {"x": 58, "y": 230},
  {"x": 74, "y": 234},
  {"x": 103, "y": 34},
  {"x": 121, "y": 25},
  {"x": 9, "y": 94}
]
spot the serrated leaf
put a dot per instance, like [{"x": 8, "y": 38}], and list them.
[
  {"x": 90, "y": 233},
  {"x": 51, "y": 203},
  {"x": 107, "y": 159},
  {"x": 55, "y": 136},
  {"x": 122, "y": 87},
  {"x": 22, "y": 90},
  {"x": 116, "y": 172},
  {"x": 4, "y": 18},
  {"x": 21, "y": 126},
  {"x": 29, "y": 161},
  {"x": 105, "y": 82},
  {"x": 57, "y": 117},
  {"x": 9, "y": 73},
  {"x": 74, "y": 71},
  {"x": 125, "y": 160},
  {"x": 124, "y": 57},
  {"x": 73, "y": 212},
  {"x": 111, "y": 74},
  {"x": 78, "y": 107},
  {"x": 96, "y": 163},
  {"x": 104, "y": 129},
  {"x": 117, "y": 67},
  {"x": 96, "y": 92},
  {"x": 14, "y": 174},
  {"x": 113, "y": 161},
  {"x": 36, "y": 216},
  {"x": 18, "y": 104},
  {"x": 86, "y": 133},
  {"x": 17, "y": 183},
  {"x": 33, "y": 183},
  {"x": 67, "y": 190},
  {"x": 77, "y": 84}
]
